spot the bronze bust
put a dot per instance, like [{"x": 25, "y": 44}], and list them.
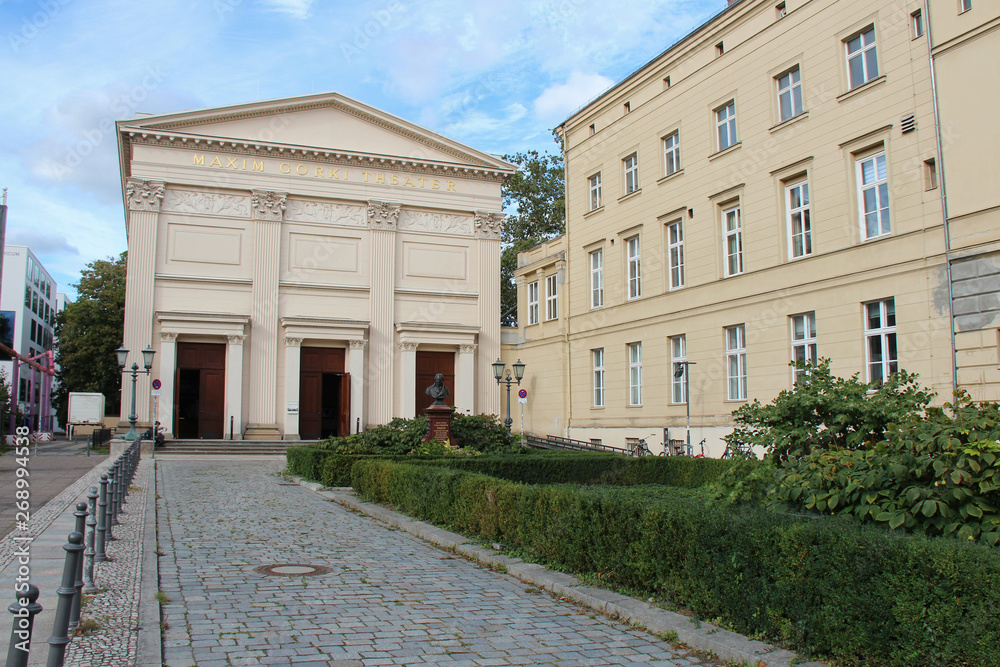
[{"x": 438, "y": 391}]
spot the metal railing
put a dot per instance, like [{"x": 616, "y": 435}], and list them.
[{"x": 557, "y": 442}]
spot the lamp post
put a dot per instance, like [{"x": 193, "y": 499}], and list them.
[
  {"x": 147, "y": 362},
  {"x": 681, "y": 370},
  {"x": 498, "y": 368}
]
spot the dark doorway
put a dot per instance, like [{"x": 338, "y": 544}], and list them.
[
  {"x": 324, "y": 394},
  {"x": 430, "y": 364},
  {"x": 199, "y": 404}
]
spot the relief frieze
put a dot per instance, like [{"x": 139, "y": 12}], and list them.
[
  {"x": 443, "y": 223},
  {"x": 335, "y": 214},
  {"x": 184, "y": 201}
]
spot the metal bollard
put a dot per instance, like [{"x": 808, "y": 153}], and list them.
[
  {"x": 81, "y": 527},
  {"x": 116, "y": 501},
  {"x": 102, "y": 522},
  {"x": 108, "y": 535},
  {"x": 20, "y": 631},
  {"x": 60, "y": 630},
  {"x": 89, "y": 539}
]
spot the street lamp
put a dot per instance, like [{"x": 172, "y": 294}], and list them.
[
  {"x": 498, "y": 368},
  {"x": 681, "y": 370},
  {"x": 147, "y": 362}
]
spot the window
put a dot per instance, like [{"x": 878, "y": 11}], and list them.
[
  {"x": 789, "y": 94},
  {"x": 631, "y": 164},
  {"x": 34, "y": 302},
  {"x": 873, "y": 196},
  {"x": 27, "y": 297},
  {"x": 596, "y": 200},
  {"x": 803, "y": 341},
  {"x": 598, "y": 357},
  {"x": 31, "y": 268},
  {"x": 736, "y": 363},
  {"x": 964, "y": 5},
  {"x": 720, "y": 48},
  {"x": 732, "y": 228},
  {"x": 780, "y": 11},
  {"x": 666, "y": 82},
  {"x": 930, "y": 174},
  {"x": 678, "y": 352},
  {"x": 880, "y": 331},
  {"x": 862, "y": 60},
  {"x": 635, "y": 373},
  {"x": 671, "y": 154},
  {"x": 675, "y": 253},
  {"x": 917, "y": 23},
  {"x": 725, "y": 122},
  {"x": 31, "y": 336},
  {"x": 799, "y": 224},
  {"x": 634, "y": 275},
  {"x": 533, "y": 302},
  {"x": 628, "y": 107},
  {"x": 551, "y": 297},
  {"x": 593, "y": 129},
  {"x": 597, "y": 279}
]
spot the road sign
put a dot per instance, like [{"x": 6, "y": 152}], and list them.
[
  {"x": 523, "y": 393},
  {"x": 156, "y": 384}
]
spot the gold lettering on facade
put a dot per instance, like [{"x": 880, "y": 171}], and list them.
[
  {"x": 434, "y": 184},
  {"x": 285, "y": 168},
  {"x": 258, "y": 166},
  {"x": 333, "y": 173},
  {"x": 199, "y": 159},
  {"x": 216, "y": 163},
  {"x": 451, "y": 185},
  {"x": 365, "y": 174},
  {"x": 421, "y": 181},
  {"x": 232, "y": 163},
  {"x": 319, "y": 172},
  {"x": 394, "y": 180},
  {"x": 301, "y": 170},
  {"x": 409, "y": 181},
  {"x": 380, "y": 178}
]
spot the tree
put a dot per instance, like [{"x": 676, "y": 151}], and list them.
[
  {"x": 88, "y": 332},
  {"x": 536, "y": 195}
]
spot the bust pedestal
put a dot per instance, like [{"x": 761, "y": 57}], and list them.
[{"x": 439, "y": 416}]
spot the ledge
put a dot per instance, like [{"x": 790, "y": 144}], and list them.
[
  {"x": 725, "y": 151},
  {"x": 670, "y": 177},
  {"x": 634, "y": 193},
  {"x": 791, "y": 121},
  {"x": 874, "y": 83},
  {"x": 596, "y": 210}
]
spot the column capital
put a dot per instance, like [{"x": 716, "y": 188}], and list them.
[
  {"x": 168, "y": 336},
  {"x": 293, "y": 342},
  {"x": 488, "y": 224},
  {"x": 407, "y": 346},
  {"x": 267, "y": 205},
  {"x": 383, "y": 215},
  {"x": 143, "y": 195},
  {"x": 356, "y": 344},
  {"x": 236, "y": 339},
  {"x": 467, "y": 348}
]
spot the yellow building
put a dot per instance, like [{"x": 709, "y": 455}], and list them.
[{"x": 792, "y": 180}]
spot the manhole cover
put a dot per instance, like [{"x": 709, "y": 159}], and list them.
[{"x": 291, "y": 569}]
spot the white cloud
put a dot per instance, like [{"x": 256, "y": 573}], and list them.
[
  {"x": 561, "y": 99},
  {"x": 298, "y": 9},
  {"x": 42, "y": 242}
]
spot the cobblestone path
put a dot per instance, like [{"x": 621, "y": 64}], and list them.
[{"x": 389, "y": 598}]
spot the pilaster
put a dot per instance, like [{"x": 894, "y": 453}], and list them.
[
  {"x": 267, "y": 211},
  {"x": 356, "y": 367},
  {"x": 408, "y": 379},
  {"x": 488, "y": 226},
  {"x": 293, "y": 367},
  {"x": 382, "y": 219},
  {"x": 234, "y": 386},
  {"x": 167, "y": 364},
  {"x": 142, "y": 199},
  {"x": 465, "y": 379}
]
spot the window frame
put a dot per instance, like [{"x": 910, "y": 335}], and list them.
[
  {"x": 635, "y": 374},
  {"x": 728, "y": 122},
  {"x": 597, "y": 278},
  {"x": 596, "y": 191},
  {"x": 737, "y": 234},
  {"x": 881, "y": 188},
  {"x": 671, "y": 153},
  {"x": 805, "y": 211},
  {"x": 678, "y": 353},
  {"x": 532, "y": 289},
  {"x": 631, "y": 173},
  {"x": 597, "y": 363},
  {"x": 678, "y": 246},
  {"x": 916, "y": 24},
  {"x": 552, "y": 297},
  {"x": 633, "y": 266},
  {"x": 862, "y": 53},
  {"x": 885, "y": 333},
  {"x": 964, "y": 6},
  {"x": 737, "y": 353},
  {"x": 793, "y": 90},
  {"x": 805, "y": 342}
]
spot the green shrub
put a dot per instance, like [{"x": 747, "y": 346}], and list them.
[
  {"x": 823, "y": 411},
  {"x": 826, "y": 586},
  {"x": 472, "y": 433}
]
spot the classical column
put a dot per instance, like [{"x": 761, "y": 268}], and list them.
[
  {"x": 293, "y": 365},
  {"x": 356, "y": 367},
  {"x": 167, "y": 360},
  {"x": 408, "y": 380},
  {"x": 267, "y": 210},
  {"x": 465, "y": 380},
  {"x": 234, "y": 386},
  {"x": 142, "y": 199},
  {"x": 381, "y": 380},
  {"x": 488, "y": 225}
]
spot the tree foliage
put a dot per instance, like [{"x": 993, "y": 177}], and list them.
[
  {"x": 535, "y": 198},
  {"x": 88, "y": 332}
]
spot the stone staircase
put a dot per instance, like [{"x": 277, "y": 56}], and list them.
[{"x": 227, "y": 447}]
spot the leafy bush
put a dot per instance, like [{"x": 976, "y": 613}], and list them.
[
  {"x": 827, "y": 412},
  {"x": 472, "y": 433},
  {"x": 856, "y": 594}
]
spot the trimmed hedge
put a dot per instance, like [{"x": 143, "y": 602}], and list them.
[{"x": 829, "y": 587}]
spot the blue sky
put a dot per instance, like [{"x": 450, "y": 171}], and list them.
[{"x": 495, "y": 74}]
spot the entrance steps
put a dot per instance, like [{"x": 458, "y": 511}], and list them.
[{"x": 228, "y": 447}]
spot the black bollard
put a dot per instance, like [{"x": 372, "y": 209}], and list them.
[
  {"x": 109, "y": 513},
  {"x": 81, "y": 527},
  {"x": 102, "y": 522},
  {"x": 89, "y": 539},
  {"x": 116, "y": 500},
  {"x": 60, "y": 629},
  {"x": 24, "y": 610}
]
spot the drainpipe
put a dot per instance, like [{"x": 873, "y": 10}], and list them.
[{"x": 944, "y": 194}]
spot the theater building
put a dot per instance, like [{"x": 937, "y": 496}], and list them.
[
  {"x": 794, "y": 179},
  {"x": 303, "y": 267}
]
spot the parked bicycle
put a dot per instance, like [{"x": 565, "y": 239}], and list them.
[{"x": 640, "y": 447}]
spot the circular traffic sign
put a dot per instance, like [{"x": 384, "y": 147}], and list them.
[
  {"x": 156, "y": 384},
  {"x": 523, "y": 393}
]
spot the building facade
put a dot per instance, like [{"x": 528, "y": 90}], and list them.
[
  {"x": 793, "y": 180},
  {"x": 28, "y": 308},
  {"x": 303, "y": 267}
]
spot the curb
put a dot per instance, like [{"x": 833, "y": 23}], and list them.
[
  {"x": 150, "y": 641},
  {"x": 703, "y": 636}
]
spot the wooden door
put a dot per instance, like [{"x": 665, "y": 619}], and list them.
[
  {"x": 211, "y": 404},
  {"x": 315, "y": 363},
  {"x": 200, "y": 398},
  {"x": 310, "y": 405},
  {"x": 430, "y": 364},
  {"x": 345, "y": 404}
]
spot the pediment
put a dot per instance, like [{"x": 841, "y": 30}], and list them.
[{"x": 329, "y": 122}]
